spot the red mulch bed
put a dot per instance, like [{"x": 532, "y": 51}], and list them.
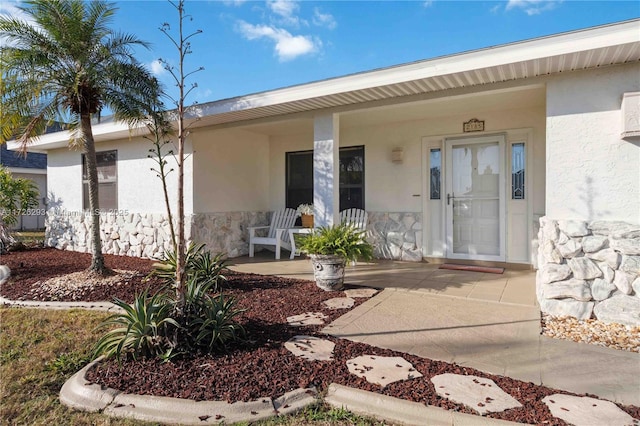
[{"x": 261, "y": 367}]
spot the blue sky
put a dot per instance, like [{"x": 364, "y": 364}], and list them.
[{"x": 253, "y": 46}]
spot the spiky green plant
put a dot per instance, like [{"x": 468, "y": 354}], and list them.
[
  {"x": 198, "y": 262},
  {"x": 215, "y": 327},
  {"x": 142, "y": 330}
]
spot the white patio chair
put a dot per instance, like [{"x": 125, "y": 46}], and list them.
[
  {"x": 277, "y": 234},
  {"x": 355, "y": 217}
]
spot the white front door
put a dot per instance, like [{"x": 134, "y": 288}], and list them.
[{"x": 475, "y": 205}]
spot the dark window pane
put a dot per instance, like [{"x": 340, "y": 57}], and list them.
[
  {"x": 299, "y": 178},
  {"x": 435, "y": 164},
  {"x": 299, "y": 186},
  {"x": 352, "y": 166},
  {"x": 517, "y": 171},
  {"x": 351, "y": 197}
]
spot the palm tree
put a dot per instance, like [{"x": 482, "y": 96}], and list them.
[{"x": 67, "y": 66}]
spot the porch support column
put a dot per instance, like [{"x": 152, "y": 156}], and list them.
[{"x": 326, "y": 195}]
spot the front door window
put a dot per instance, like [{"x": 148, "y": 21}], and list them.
[{"x": 475, "y": 204}]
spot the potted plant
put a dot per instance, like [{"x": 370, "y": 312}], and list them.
[
  {"x": 306, "y": 214},
  {"x": 330, "y": 248}
]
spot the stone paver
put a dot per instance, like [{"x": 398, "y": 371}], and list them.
[
  {"x": 308, "y": 318},
  {"x": 382, "y": 370},
  {"x": 339, "y": 303},
  {"x": 5, "y": 273},
  {"x": 585, "y": 411},
  {"x": 477, "y": 393},
  {"x": 311, "y": 348},
  {"x": 356, "y": 293}
]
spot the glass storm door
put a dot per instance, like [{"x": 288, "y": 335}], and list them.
[{"x": 475, "y": 202}]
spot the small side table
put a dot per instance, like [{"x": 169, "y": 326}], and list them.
[{"x": 292, "y": 232}]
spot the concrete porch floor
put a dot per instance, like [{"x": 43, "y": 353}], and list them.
[{"x": 513, "y": 286}]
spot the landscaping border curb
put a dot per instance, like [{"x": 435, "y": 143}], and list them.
[
  {"x": 80, "y": 394},
  {"x": 398, "y": 410},
  {"x": 36, "y": 304}
]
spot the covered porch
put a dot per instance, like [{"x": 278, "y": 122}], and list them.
[{"x": 516, "y": 286}]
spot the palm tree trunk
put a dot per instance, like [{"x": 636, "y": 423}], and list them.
[{"x": 97, "y": 259}]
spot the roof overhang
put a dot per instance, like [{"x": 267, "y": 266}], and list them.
[{"x": 578, "y": 50}]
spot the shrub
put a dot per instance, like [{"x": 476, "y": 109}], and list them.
[
  {"x": 342, "y": 240},
  {"x": 198, "y": 262},
  {"x": 214, "y": 326},
  {"x": 142, "y": 329},
  {"x": 160, "y": 326}
]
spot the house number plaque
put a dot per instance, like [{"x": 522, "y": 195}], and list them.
[{"x": 473, "y": 125}]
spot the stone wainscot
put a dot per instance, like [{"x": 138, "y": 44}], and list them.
[
  {"x": 395, "y": 236},
  {"x": 589, "y": 270},
  {"x": 131, "y": 234}
]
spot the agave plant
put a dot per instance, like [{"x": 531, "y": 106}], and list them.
[
  {"x": 215, "y": 326},
  {"x": 198, "y": 262},
  {"x": 141, "y": 330}
]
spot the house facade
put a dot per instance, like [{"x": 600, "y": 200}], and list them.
[{"x": 503, "y": 154}]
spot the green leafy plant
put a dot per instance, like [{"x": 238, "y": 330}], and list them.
[
  {"x": 141, "y": 330},
  {"x": 342, "y": 240},
  {"x": 215, "y": 326},
  {"x": 198, "y": 263}
]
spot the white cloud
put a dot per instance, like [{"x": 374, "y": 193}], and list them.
[
  {"x": 157, "y": 68},
  {"x": 286, "y": 10},
  {"x": 287, "y": 46},
  {"x": 427, "y": 3},
  {"x": 323, "y": 19},
  {"x": 533, "y": 7}
]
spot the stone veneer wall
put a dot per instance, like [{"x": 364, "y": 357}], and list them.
[
  {"x": 396, "y": 236},
  {"x": 227, "y": 231},
  {"x": 130, "y": 234},
  {"x": 589, "y": 270}
]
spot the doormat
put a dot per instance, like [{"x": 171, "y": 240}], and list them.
[{"x": 487, "y": 269}]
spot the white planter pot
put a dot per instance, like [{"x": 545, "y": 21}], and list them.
[{"x": 328, "y": 271}]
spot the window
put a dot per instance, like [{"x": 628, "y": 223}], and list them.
[
  {"x": 435, "y": 164},
  {"x": 517, "y": 171},
  {"x": 299, "y": 178},
  {"x": 107, "y": 180}
]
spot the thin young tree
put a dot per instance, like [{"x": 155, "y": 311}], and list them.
[
  {"x": 160, "y": 132},
  {"x": 180, "y": 76},
  {"x": 67, "y": 66}
]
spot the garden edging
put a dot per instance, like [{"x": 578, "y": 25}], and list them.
[{"x": 80, "y": 394}]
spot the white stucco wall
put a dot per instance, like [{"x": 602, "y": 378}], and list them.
[
  {"x": 64, "y": 179},
  {"x": 390, "y": 186},
  {"x": 592, "y": 173},
  {"x": 139, "y": 189},
  {"x": 230, "y": 171}
]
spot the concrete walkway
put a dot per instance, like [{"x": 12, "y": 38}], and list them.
[{"x": 485, "y": 321}]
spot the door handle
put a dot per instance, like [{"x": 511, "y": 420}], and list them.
[{"x": 449, "y": 197}]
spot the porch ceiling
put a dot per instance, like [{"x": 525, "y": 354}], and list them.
[{"x": 591, "y": 48}]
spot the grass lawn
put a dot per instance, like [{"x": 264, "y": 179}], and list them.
[
  {"x": 26, "y": 237},
  {"x": 41, "y": 349}
]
